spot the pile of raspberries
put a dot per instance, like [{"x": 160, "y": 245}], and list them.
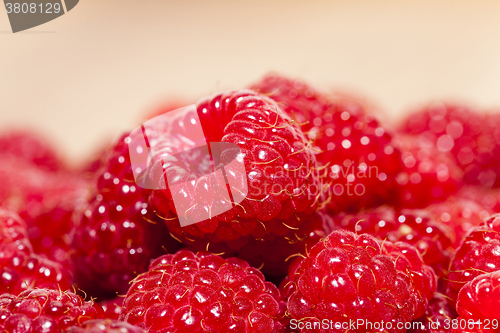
[{"x": 347, "y": 223}]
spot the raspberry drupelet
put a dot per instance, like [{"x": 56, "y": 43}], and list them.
[
  {"x": 278, "y": 216},
  {"x": 349, "y": 277},
  {"x": 117, "y": 233},
  {"x": 45, "y": 310},
  {"x": 202, "y": 292},
  {"x": 359, "y": 157}
]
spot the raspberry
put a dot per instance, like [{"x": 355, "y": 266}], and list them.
[
  {"x": 105, "y": 326},
  {"x": 296, "y": 98},
  {"x": 480, "y": 298},
  {"x": 459, "y": 214},
  {"x": 478, "y": 254},
  {"x": 487, "y": 198},
  {"x": 93, "y": 162},
  {"x": 117, "y": 234},
  {"x": 437, "y": 318},
  {"x": 201, "y": 292},
  {"x": 429, "y": 175},
  {"x": 23, "y": 185},
  {"x": 50, "y": 231},
  {"x": 470, "y": 136},
  {"x": 45, "y": 200},
  {"x": 13, "y": 234},
  {"x": 50, "y": 220},
  {"x": 277, "y": 216},
  {"x": 20, "y": 272},
  {"x": 432, "y": 239},
  {"x": 350, "y": 277},
  {"x": 112, "y": 307},
  {"x": 45, "y": 310},
  {"x": 20, "y": 269},
  {"x": 32, "y": 148},
  {"x": 359, "y": 157}
]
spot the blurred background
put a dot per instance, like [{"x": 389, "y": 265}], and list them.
[{"x": 99, "y": 70}]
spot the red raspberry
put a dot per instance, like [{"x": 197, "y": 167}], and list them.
[
  {"x": 45, "y": 310},
  {"x": 50, "y": 232},
  {"x": 45, "y": 200},
  {"x": 459, "y": 214},
  {"x": 20, "y": 269},
  {"x": 13, "y": 234},
  {"x": 350, "y": 277},
  {"x": 50, "y": 221},
  {"x": 105, "y": 326},
  {"x": 472, "y": 138},
  {"x": 278, "y": 214},
  {"x": 362, "y": 158},
  {"x": 117, "y": 234},
  {"x": 359, "y": 158},
  {"x": 202, "y": 292},
  {"x": 23, "y": 185},
  {"x": 93, "y": 162},
  {"x": 32, "y": 148},
  {"x": 429, "y": 175},
  {"x": 478, "y": 254},
  {"x": 296, "y": 98},
  {"x": 112, "y": 307},
  {"x": 480, "y": 298},
  {"x": 487, "y": 198},
  {"x": 434, "y": 240},
  {"x": 437, "y": 318}
]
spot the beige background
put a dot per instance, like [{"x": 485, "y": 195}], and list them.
[{"x": 93, "y": 72}]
